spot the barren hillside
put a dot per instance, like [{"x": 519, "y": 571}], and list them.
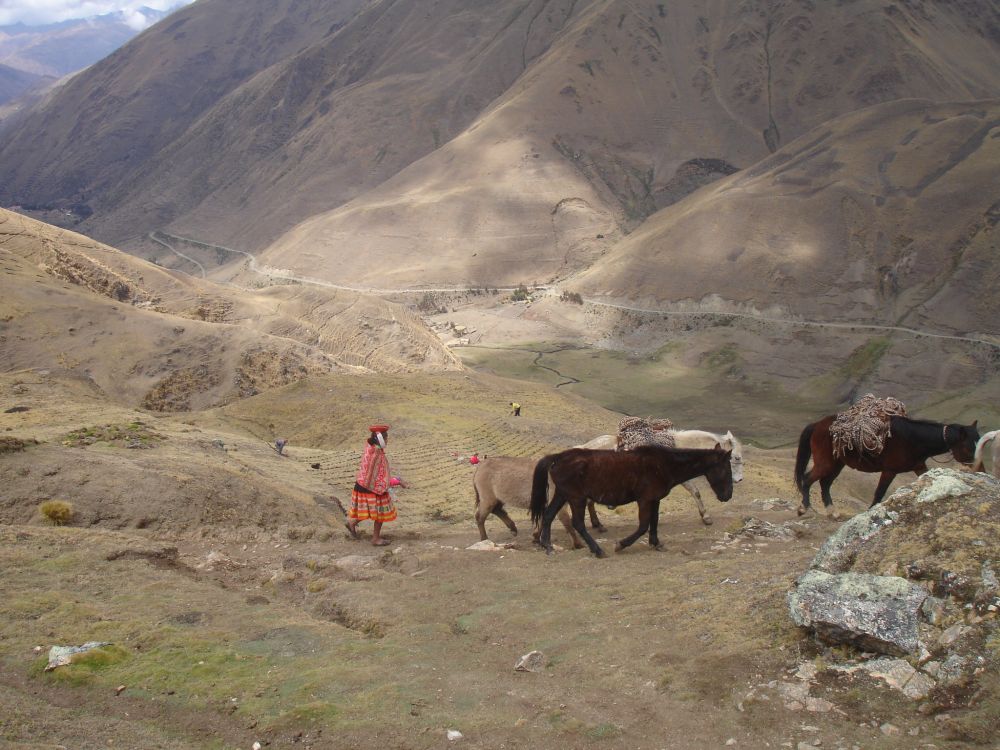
[
  {"x": 625, "y": 114},
  {"x": 167, "y": 341},
  {"x": 564, "y": 118},
  {"x": 886, "y": 215}
]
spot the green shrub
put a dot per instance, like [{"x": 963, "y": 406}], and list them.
[{"x": 57, "y": 511}]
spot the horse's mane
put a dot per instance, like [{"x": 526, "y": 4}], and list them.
[
  {"x": 737, "y": 443},
  {"x": 923, "y": 422},
  {"x": 687, "y": 452}
]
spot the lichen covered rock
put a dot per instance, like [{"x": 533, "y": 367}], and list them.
[{"x": 914, "y": 577}]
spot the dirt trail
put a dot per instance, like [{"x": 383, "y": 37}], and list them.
[{"x": 554, "y": 290}]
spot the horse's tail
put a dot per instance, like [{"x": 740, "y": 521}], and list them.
[
  {"x": 803, "y": 455},
  {"x": 977, "y": 464},
  {"x": 540, "y": 487},
  {"x": 475, "y": 487}
]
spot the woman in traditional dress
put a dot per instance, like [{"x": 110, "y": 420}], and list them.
[{"x": 370, "y": 499}]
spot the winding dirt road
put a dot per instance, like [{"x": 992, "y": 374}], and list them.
[{"x": 551, "y": 290}]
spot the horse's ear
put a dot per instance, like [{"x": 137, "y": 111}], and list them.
[
  {"x": 975, "y": 423},
  {"x": 718, "y": 446}
]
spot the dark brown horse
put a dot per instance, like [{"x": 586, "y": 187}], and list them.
[
  {"x": 910, "y": 443},
  {"x": 644, "y": 475}
]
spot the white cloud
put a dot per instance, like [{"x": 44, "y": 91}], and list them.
[{"x": 36, "y": 12}]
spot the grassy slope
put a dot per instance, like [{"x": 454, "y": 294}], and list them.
[{"x": 313, "y": 633}]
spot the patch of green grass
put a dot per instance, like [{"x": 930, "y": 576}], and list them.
[
  {"x": 865, "y": 359},
  {"x": 604, "y": 731},
  {"x": 724, "y": 357},
  {"x": 84, "y": 667},
  {"x": 132, "y": 434},
  {"x": 313, "y": 712}
]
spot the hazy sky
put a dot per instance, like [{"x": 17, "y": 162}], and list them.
[{"x": 35, "y": 12}]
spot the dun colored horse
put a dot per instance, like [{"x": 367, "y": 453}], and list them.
[
  {"x": 910, "y": 443},
  {"x": 506, "y": 480},
  {"x": 644, "y": 476}
]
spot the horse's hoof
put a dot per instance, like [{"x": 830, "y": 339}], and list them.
[
  {"x": 658, "y": 546},
  {"x": 706, "y": 520},
  {"x": 801, "y": 510},
  {"x": 600, "y": 528},
  {"x": 599, "y": 553},
  {"x": 618, "y": 547}
]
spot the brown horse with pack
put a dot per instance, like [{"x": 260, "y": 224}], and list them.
[{"x": 875, "y": 435}]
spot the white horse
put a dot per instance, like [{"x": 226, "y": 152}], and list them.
[
  {"x": 685, "y": 439},
  {"x": 981, "y": 449}
]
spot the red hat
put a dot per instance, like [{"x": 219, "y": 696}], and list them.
[{"x": 379, "y": 428}]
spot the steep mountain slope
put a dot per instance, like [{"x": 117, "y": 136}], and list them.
[
  {"x": 166, "y": 341},
  {"x": 884, "y": 215},
  {"x": 34, "y": 55},
  {"x": 600, "y": 107},
  {"x": 107, "y": 123},
  {"x": 14, "y": 82},
  {"x": 626, "y": 114}
]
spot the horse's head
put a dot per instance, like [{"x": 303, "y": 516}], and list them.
[
  {"x": 961, "y": 441},
  {"x": 736, "y": 447},
  {"x": 720, "y": 474}
]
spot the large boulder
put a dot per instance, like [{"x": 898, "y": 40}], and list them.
[
  {"x": 875, "y": 613},
  {"x": 914, "y": 577}
]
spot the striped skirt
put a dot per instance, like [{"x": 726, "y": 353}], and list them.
[{"x": 367, "y": 506}]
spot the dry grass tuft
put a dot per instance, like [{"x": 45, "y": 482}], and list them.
[{"x": 58, "y": 512}]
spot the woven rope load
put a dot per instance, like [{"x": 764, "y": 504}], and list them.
[
  {"x": 636, "y": 431},
  {"x": 865, "y": 426}
]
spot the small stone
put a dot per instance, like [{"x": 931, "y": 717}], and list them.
[
  {"x": 490, "y": 546},
  {"x": 806, "y": 671},
  {"x": 818, "y": 705},
  {"x": 889, "y": 730},
  {"x": 533, "y": 661},
  {"x": 918, "y": 686},
  {"x": 119, "y": 689},
  {"x": 256, "y": 746},
  {"x": 794, "y": 691},
  {"x": 952, "y": 634},
  {"x": 731, "y": 742},
  {"x": 454, "y": 734}
]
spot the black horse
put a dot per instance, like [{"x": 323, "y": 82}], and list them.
[
  {"x": 910, "y": 443},
  {"x": 644, "y": 476}
]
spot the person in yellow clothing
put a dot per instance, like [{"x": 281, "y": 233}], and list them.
[
  {"x": 370, "y": 499},
  {"x": 515, "y": 408}
]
